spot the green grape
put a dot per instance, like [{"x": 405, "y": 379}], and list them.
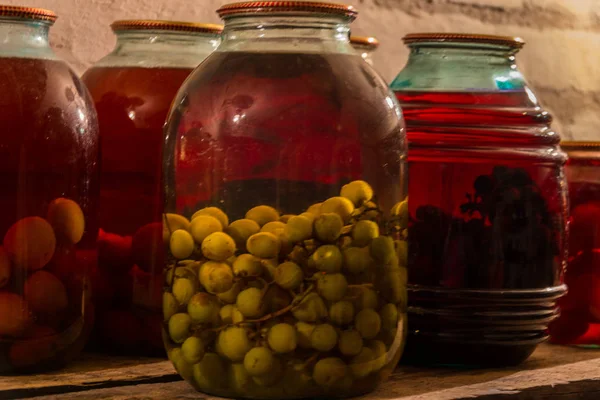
[
  {"x": 358, "y": 192},
  {"x": 341, "y": 313},
  {"x": 263, "y": 245},
  {"x": 332, "y": 287},
  {"x": 357, "y": 260},
  {"x": 350, "y": 343},
  {"x": 311, "y": 309},
  {"x": 310, "y": 216},
  {"x": 299, "y": 255},
  {"x": 183, "y": 290},
  {"x": 379, "y": 354},
  {"x": 368, "y": 323},
  {"x": 210, "y": 372},
  {"x": 182, "y": 367},
  {"x": 192, "y": 350},
  {"x": 297, "y": 381},
  {"x": 216, "y": 277},
  {"x": 269, "y": 266},
  {"x": 282, "y": 338},
  {"x": 400, "y": 211},
  {"x": 234, "y": 343},
  {"x": 226, "y": 313},
  {"x": 213, "y": 212},
  {"x": 389, "y": 317},
  {"x": 204, "y": 225},
  {"x": 401, "y": 252},
  {"x": 330, "y": 372},
  {"x": 179, "y": 327},
  {"x": 259, "y": 361},
  {"x": 172, "y": 222},
  {"x": 372, "y": 213},
  {"x": 247, "y": 265},
  {"x": 328, "y": 227},
  {"x": 324, "y": 337},
  {"x": 303, "y": 333},
  {"x": 364, "y": 232},
  {"x": 276, "y": 298},
  {"x": 238, "y": 378},
  {"x": 180, "y": 272},
  {"x": 393, "y": 285},
  {"x": 361, "y": 365},
  {"x": 315, "y": 209},
  {"x": 288, "y": 275},
  {"x": 273, "y": 227},
  {"x": 231, "y": 295},
  {"x": 240, "y": 230},
  {"x": 345, "y": 242},
  {"x": 327, "y": 258},
  {"x": 203, "y": 308},
  {"x": 181, "y": 244},
  {"x": 382, "y": 250},
  {"x": 250, "y": 303},
  {"x": 231, "y": 260},
  {"x": 286, "y": 217},
  {"x": 270, "y": 379},
  {"x": 218, "y": 246},
  {"x": 367, "y": 298},
  {"x": 286, "y": 245},
  {"x": 299, "y": 228},
  {"x": 170, "y": 306},
  {"x": 339, "y": 205},
  {"x": 262, "y": 214}
]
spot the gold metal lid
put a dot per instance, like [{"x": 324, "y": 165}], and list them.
[
  {"x": 365, "y": 41},
  {"x": 147, "y": 24},
  {"x": 510, "y": 41},
  {"x": 253, "y": 7},
  {"x": 37, "y": 14},
  {"x": 574, "y": 145}
]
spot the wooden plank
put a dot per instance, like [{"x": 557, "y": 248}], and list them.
[{"x": 550, "y": 373}]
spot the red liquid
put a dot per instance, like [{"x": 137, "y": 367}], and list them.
[
  {"x": 487, "y": 213},
  {"x": 48, "y": 150},
  {"x": 132, "y": 106},
  {"x": 281, "y": 129}
]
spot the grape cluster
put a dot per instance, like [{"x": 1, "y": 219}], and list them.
[{"x": 288, "y": 305}]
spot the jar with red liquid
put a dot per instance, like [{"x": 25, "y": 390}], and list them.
[
  {"x": 48, "y": 202},
  {"x": 133, "y": 88},
  {"x": 579, "y": 322},
  {"x": 488, "y": 203},
  {"x": 365, "y": 46},
  {"x": 284, "y": 164}
]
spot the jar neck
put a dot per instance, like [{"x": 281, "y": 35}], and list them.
[
  {"x": 157, "y": 48},
  {"x": 284, "y": 33},
  {"x": 460, "y": 67},
  {"x": 25, "y": 38}
]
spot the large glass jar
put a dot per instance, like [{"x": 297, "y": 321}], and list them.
[
  {"x": 48, "y": 221},
  {"x": 133, "y": 88},
  {"x": 579, "y": 321},
  {"x": 365, "y": 46},
  {"x": 488, "y": 203},
  {"x": 284, "y": 170}
]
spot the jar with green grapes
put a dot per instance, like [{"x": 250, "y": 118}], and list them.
[{"x": 285, "y": 216}]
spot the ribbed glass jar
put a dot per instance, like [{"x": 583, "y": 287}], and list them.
[
  {"x": 285, "y": 183},
  {"x": 48, "y": 220},
  {"x": 365, "y": 46},
  {"x": 133, "y": 88}
]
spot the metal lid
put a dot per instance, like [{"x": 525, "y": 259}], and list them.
[
  {"x": 510, "y": 41},
  {"x": 37, "y": 14},
  {"x": 573, "y": 145},
  {"x": 254, "y": 7},
  {"x": 365, "y": 41},
  {"x": 142, "y": 24}
]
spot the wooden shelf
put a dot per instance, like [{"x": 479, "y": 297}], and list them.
[{"x": 552, "y": 372}]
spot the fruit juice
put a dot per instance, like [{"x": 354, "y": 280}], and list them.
[
  {"x": 132, "y": 106},
  {"x": 48, "y": 167}
]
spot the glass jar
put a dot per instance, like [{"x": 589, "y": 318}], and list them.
[
  {"x": 48, "y": 222},
  {"x": 579, "y": 321},
  {"x": 365, "y": 46},
  {"x": 284, "y": 178},
  {"x": 133, "y": 88},
  {"x": 488, "y": 203}
]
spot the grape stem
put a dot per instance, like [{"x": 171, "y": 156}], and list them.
[
  {"x": 362, "y": 285},
  {"x": 284, "y": 310}
]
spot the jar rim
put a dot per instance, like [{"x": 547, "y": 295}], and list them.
[
  {"x": 367, "y": 41},
  {"x": 275, "y": 7},
  {"x": 32, "y": 13},
  {"x": 475, "y": 38},
  {"x": 163, "y": 25}
]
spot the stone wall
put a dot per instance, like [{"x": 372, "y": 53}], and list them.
[{"x": 561, "y": 59}]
